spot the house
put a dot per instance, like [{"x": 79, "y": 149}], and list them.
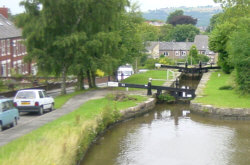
[
  {"x": 152, "y": 49},
  {"x": 12, "y": 50},
  {"x": 179, "y": 50}
]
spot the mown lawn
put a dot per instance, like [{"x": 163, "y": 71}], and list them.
[
  {"x": 66, "y": 139},
  {"x": 142, "y": 78},
  {"x": 223, "y": 98}
]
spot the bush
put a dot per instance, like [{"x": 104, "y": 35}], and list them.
[
  {"x": 166, "y": 98},
  {"x": 166, "y": 61},
  {"x": 150, "y": 63},
  {"x": 226, "y": 87}
]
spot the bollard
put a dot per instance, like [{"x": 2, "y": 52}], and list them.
[{"x": 149, "y": 87}]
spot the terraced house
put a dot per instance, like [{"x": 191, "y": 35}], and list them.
[
  {"x": 12, "y": 50},
  {"x": 180, "y": 50}
]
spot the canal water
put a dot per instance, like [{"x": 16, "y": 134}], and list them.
[{"x": 170, "y": 135}]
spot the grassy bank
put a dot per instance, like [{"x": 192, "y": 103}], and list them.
[
  {"x": 60, "y": 100},
  {"x": 64, "y": 141},
  {"x": 142, "y": 78},
  {"x": 222, "y": 98}
]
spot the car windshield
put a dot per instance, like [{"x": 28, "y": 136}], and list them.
[{"x": 26, "y": 95}]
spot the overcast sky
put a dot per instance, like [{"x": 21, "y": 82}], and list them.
[{"x": 144, "y": 4}]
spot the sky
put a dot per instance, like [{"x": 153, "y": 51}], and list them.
[{"x": 145, "y": 5}]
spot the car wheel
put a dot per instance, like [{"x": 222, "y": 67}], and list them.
[
  {"x": 52, "y": 107},
  {"x": 40, "y": 111},
  {"x": 1, "y": 127}
]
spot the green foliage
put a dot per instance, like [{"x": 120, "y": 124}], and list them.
[
  {"x": 166, "y": 98},
  {"x": 149, "y": 32},
  {"x": 173, "y": 14},
  {"x": 150, "y": 63},
  {"x": 231, "y": 39},
  {"x": 182, "y": 33},
  {"x": 218, "y": 43},
  {"x": 222, "y": 98},
  {"x": 166, "y": 61},
  {"x": 213, "y": 22},
  {"x": 183, "y": 19},
  {"x": 166, "y": 32},
  {"x": 239, "y": 48}
]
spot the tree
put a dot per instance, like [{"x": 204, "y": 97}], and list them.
[
  {"x": 182, "y": 33},
  {"x": 231, "y": 39},
  {"x": 218, "y": 41},
  {"x": 239, "y": 48},
  {"x": 173, "y": 14},
  {"x": 166, "y": 32},
  {"x": 149, "y": 32},
  {"x": 193, "y": 55},
  {"x": 85, "y": 30},
  {"x": 213, "y": 21},
  {"x": 182, "y": 19}
]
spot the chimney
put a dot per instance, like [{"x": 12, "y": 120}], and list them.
[{"x": 4, "y": 11}]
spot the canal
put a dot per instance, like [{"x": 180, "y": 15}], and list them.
[{"x": 169, "y": 134}]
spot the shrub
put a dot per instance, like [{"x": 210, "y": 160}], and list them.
[{"x": 166, "y": 98}]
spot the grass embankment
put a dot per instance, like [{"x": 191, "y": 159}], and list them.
[
  {"x": 65, "y": 140},
  {"x": 60, "y": 100},
  {"x": 142, "y": 78},
  {"x": 223, "y": 98}
]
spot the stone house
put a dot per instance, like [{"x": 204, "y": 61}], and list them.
[{"x": 180, "y": 50}]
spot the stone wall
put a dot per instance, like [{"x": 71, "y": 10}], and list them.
[
  {"x": 139, "y": 109},
  {"x": 215, "y": 112}
]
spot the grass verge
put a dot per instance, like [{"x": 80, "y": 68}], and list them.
[
  {"x": 61, "y": 100},
  {"x": 65, "y": 140},
  {"x": 142, "y": 78},
  {"x": 222, "y": 98}
]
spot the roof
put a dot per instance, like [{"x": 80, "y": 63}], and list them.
[
  {"x": 31, "y": 90},
  {"x": 150, "y": 45},
  {"x": 201, "y": 42},
  {"x": 8, "y": 29},
  {"x": 175, "y": 45}
]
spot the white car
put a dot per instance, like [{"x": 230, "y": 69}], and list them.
[{"x": 33, "y": 100}]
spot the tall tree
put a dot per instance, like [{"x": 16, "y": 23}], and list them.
[
  {"x": 166, "y": 32},
  {"x": 239, "y": 48},
  {"x": 182, "y": 33},
  {"x": 173, "y": 14},
  {"x": 182, "y": 19}
]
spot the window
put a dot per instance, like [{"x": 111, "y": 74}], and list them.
[
  {"x": 41, "y": 94},
  {"x": 26, "y": 95},
  {"x": 183, "y": 53},
  {"x": 45, "y": 94},
  {"x": 14, "y": 48},
  {"x": 8, "y": 46},
  {"x": 177, "y": 53},
  {"x": 5, "y": 106},
  {"x": 165, "y": 53},
  {"x": 3, "y": 47}
]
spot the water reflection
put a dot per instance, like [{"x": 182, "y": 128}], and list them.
[{"x": 171, "y": 135}]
